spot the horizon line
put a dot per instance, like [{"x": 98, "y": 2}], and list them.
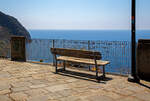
[{"x": 86, "y": 29}]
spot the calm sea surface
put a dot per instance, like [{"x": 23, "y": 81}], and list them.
[{"x": 110, "y": 35}]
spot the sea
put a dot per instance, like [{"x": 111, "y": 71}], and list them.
[
  {"x": 115, "y": 45},
  {"x": 109, "y": 35}
]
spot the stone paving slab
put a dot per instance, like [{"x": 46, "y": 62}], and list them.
[
  {"x": 99, "y": 98},
  {"x": 23, "y": 81},
  {"x": 20, "y": 96},
  {"x": 4, "y": 98},
  {"x": 57, "y": 88}
]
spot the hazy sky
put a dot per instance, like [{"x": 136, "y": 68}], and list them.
[{"x": 77, "y": 14}]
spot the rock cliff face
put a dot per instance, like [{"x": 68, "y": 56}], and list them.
[{"x": 10, "y": 26}]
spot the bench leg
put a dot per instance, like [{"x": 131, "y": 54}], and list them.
[
  {"x": 64, "y": 63},
  {"x": 56, "y": 66},
  {"x": 96, "y": 71},
  {"x": 103, "y": 71},
  {"x": 53, "y": 61},
  {"x": 89, "y": 68}
]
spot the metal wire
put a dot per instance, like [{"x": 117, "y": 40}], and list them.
[{"x": 117, "y": 52}]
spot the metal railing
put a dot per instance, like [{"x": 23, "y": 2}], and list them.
[{"x": 117, "y": 52}]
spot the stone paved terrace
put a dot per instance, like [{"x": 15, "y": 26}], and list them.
[{"x": 23, "y": 81}]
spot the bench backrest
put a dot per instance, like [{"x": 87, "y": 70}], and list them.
[{"x": 76, "y": 53}]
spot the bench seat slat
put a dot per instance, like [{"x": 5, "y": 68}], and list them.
[{"x": 83, "y": 60}]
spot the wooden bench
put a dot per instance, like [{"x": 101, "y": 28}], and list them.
[{"x": 79, "y": 56}]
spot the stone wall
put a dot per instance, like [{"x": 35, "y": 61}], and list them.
[{"x": 143, "y": 59}]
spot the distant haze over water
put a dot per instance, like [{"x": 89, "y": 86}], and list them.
[{"x": 110, "y": 35}]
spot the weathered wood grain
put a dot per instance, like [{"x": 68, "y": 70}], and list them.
[
  {"x": 76, "y": 53},
  {"x": 83, "y": 60}
]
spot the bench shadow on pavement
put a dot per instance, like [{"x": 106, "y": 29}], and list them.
[
  {"x": 83, "y": 76},
  {"x": 144, "y": 84}
]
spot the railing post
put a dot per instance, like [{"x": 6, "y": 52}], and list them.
[
  {"x": 63, "y": 43},
  {"x": 53, "y": 45},
  {"x": 89, "y": 49},
  {"x": 88, "y": 44}
]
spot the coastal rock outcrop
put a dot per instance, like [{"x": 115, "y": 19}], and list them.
[{"x": 10, "y": 26}]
